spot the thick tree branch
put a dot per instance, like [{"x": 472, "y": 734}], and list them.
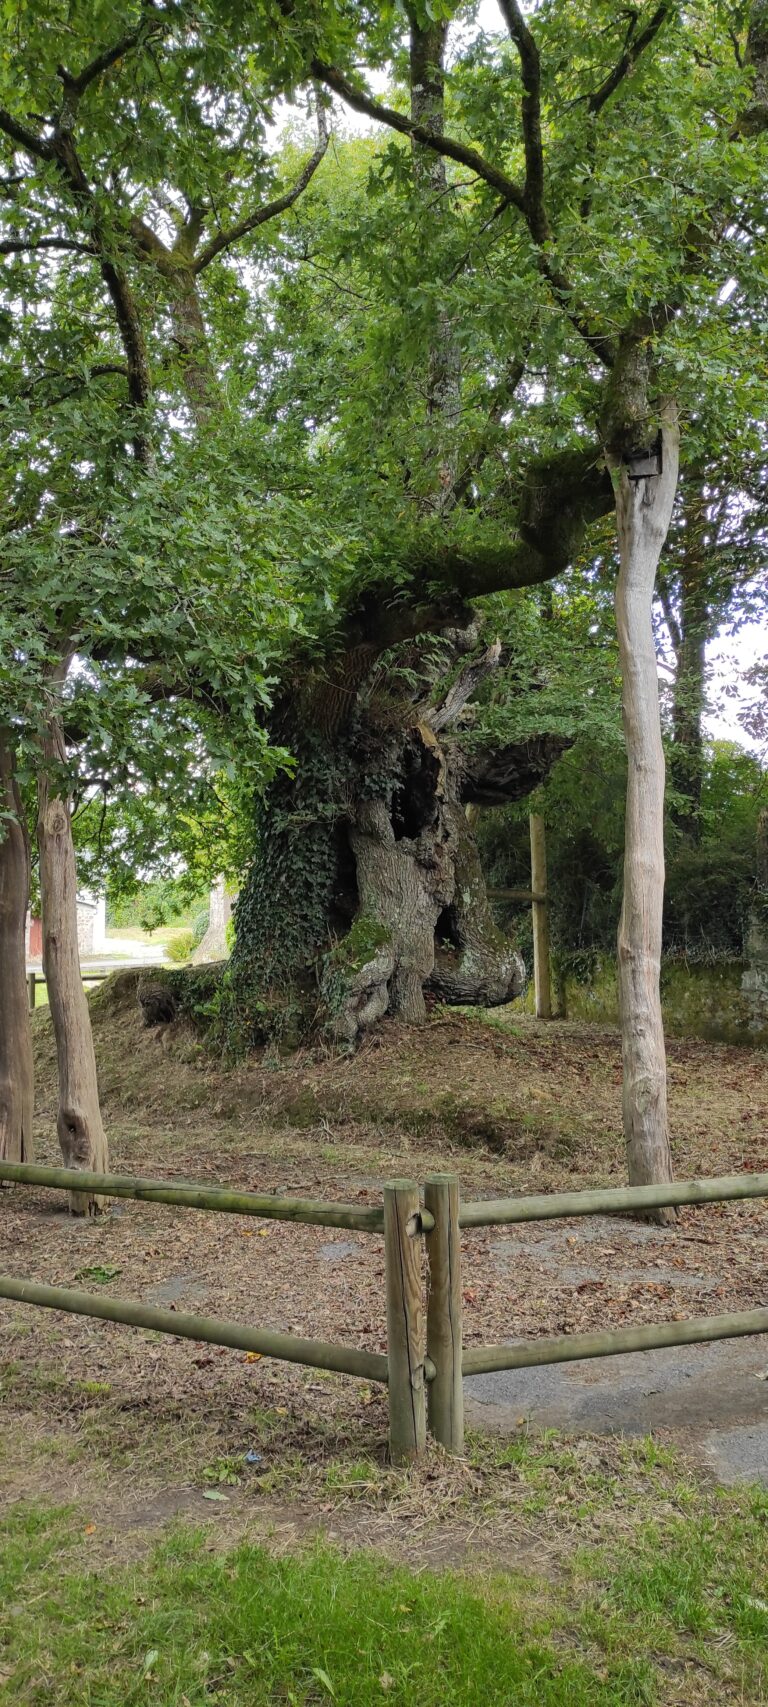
[
  {"x": 530, "y": 67},
  {"x": 626, "y": 64},
  {"x": 494, "y": 776},
  {"x": 39, "y": 146},
  {"x": 511, "y": 193},
  {"x": 271, "y": 210},
  {"x": 61, "y": 151},
  {"x": 362, "y": 102},
  {"x": 560, "y": 496},
  {"x": 28, "y": 246},
  {"x": 77, "y": 84},
  {"x": 452, "y": 704}
]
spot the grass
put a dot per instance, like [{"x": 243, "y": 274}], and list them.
[
  {"x": 672, "y": 1613},
  {"x": 136, "y": 933},
  {"x": 41, "y": 990}
]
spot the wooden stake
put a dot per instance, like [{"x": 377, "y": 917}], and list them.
[
  {"x": 31, "y": 990},
  {"x": 541, "y": 973},
  {"x": 445, "y": 1392},
  {"x": 405, "y": 1354}
]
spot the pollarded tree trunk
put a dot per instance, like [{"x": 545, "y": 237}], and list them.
[
  {"x": 16, "y": 1072},
  {"x": 643, "y": 513},
  {"x": 79, "y": 1125}
]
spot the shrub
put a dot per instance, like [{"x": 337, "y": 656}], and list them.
[{"x": 180, "y": 947}]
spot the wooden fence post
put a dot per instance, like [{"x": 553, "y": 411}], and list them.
[
  {"x": 541, "y": 970},
  {"x": 405, "y": 1327},
  {"x": 445, "y": 1392},
  {"x": 31, "y": 991}
]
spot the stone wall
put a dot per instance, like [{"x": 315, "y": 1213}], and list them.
[
  {"x": 717, "y": 1002},
  {"x": 86, "y": 919}
]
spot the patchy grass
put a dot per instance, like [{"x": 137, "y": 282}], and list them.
[{"x": 668, "y": 1613}]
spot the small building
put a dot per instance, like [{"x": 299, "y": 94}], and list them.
[{"x": 91, "y": 928}]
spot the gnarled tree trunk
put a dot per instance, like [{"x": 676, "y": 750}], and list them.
[
  {"x": 643, "y": 513},
  {"x": 16, "y": 1072},
  {"x": 366, "y": 895},
  {"x": 79, "y": 1125}
]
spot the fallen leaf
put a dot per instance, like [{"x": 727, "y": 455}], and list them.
[
  {"x": 253, "y": 1357},
  {"x": 215, "y": 1494},
  {"x": 90, "y": 1529}
]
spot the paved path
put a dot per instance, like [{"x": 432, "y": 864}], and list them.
[{"x": 710, "y": 1397}]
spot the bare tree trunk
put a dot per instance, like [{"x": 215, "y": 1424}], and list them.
[
  {"x": 16, "y": 1071},
  {"x": 643, "y": 513},
  {"x": 79, "y": 1126}
]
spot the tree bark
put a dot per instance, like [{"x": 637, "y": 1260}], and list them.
[
  {"x": 366, "y": 896},
  {"x": 643, "y": 513},
  {"x": 16, "y": 1069},
  {"x": 427, "y": 78},
  {"x": 79, "y": 1125}
]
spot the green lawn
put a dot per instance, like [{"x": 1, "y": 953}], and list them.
[
  {"x": 41, "y": 991},
  {"x": 675, "y": 1614},
  {"x": 247, "y": 1628}
]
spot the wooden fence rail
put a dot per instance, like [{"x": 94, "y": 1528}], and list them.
[
  {"x": 404, "y": 1368},
  {"x": 210, "y": 1330},
  {"x": 220, "y": 1199},
  {"x": 614, "y": 1200},
  {"x": 698, "y": 1330},
  {"x": 425, "y": 1361},
  {"x": 35, "y": 978}
]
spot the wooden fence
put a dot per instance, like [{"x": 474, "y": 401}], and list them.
[
  {"x": 425, "y": 1361},
  {"x": 35, "y": 978}
]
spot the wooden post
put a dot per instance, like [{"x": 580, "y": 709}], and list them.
[
  {"x": 405, "y": 1353},
  {"x": 31, "y": 989},
  {"x": 541, "y": 971},
  {"x": 445, "y": 1392}
]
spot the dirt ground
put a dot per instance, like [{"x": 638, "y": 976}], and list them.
[{"x": 149, "y": 1425}]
